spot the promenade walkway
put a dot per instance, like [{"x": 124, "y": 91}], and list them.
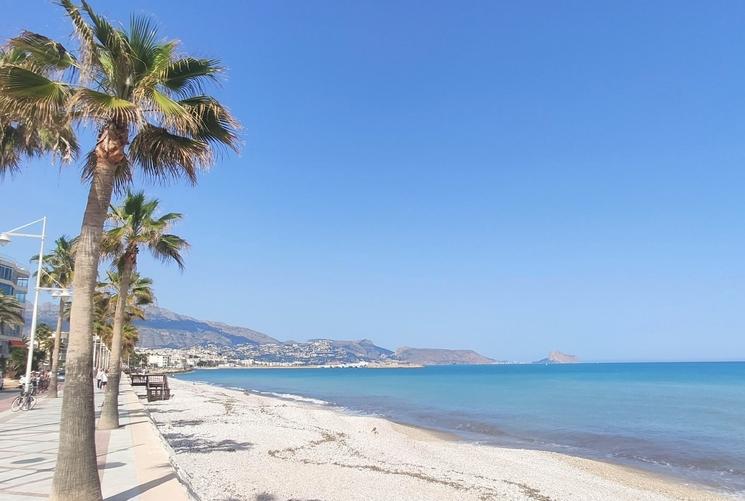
[{"x": 132, "y": 462}]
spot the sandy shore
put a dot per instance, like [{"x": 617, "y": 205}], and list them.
[{"x": 231, "y": 445}]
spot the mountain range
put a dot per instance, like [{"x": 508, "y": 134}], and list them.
[{"x": 164, "y": 328}]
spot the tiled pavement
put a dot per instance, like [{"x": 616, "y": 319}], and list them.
[{"x": 132, "y": 462}]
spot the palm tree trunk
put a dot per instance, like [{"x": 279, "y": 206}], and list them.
[
  {"x": 110, "y": 412},
  {"x": 55, "y": 350},
  {"x": 75, "y": 474}
]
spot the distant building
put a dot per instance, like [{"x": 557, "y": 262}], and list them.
[
  {"x": 13, "y": 282},
  {"x": 158, "y": 360}
]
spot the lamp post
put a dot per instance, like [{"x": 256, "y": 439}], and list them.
[{"x": 4, "y": 240}]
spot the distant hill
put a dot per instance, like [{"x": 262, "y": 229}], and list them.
[
  {"x": 431, "y": 356},
  {"x": 557, "y": 357},
  {"x": 163, "y": 328},
  {"x": 47, "y": 315}
]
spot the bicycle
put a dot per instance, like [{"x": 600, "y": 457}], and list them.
[
  {"x": 23, "y": 402},
  {"x": 41, "y": 386}
]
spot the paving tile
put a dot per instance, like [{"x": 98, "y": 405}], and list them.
[{"x": 133, "y": 464}]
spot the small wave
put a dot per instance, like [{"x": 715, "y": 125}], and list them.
[{"x": 290, "y": 396}]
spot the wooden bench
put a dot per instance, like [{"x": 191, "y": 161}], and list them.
[
  {"x": 155, "y": 384},
  {"x": 157, "y": 387}
]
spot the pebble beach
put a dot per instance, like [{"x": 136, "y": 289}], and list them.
[{"x": 233, "y": 445}]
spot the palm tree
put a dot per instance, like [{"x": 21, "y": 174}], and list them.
[
  {"x": 11, "y": 312},
  {"x": 130, "y": 337},
  {"x": 104, "y": 303},
  {"x": 58, "y": 272},
  {"x": 44, "y": 339},
  {"x": 148, "y": 106},
  {"x": 134, "y": 225},
  {"x": 140, "y": 295}
]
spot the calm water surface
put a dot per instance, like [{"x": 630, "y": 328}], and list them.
[{"x": 683, "y": 419}]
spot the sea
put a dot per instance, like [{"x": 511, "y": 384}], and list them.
[{"x": 679, "y": 419}]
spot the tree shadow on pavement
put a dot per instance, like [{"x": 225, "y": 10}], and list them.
[{"x": 139, "y": 489}]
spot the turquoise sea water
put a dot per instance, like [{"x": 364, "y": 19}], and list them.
[{"x": 682, "y": 419}]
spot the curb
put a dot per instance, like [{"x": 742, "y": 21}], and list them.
[{"x": 182, "y": 476}]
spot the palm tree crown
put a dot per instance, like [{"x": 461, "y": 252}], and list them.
[
  {"x": 122, "y": 81},
  {"x": 133, "y": 224},
  {"x": 140, "y": 294},
  {"x": 59, "y": 264}
]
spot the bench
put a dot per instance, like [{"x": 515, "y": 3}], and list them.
[{"x": 157, "y": 387}]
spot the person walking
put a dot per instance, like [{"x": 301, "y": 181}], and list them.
[
  {"x": 104, "y": 379},
  {"x": 99, "y": 377}
]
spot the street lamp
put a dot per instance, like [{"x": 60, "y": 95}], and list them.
[{"x": 5, "y": 238}]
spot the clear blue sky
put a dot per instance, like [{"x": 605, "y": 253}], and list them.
[{"x": 512, "y": 177}]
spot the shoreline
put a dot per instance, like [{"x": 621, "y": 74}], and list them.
[
  {"x": 275, "y": 367},
  {"x": 239, "y": 443},
  {"x": 656, "y": 470}
]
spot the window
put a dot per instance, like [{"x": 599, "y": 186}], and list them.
[
  {"x": 6, "y": 289},
  {"x": 21, "y": 297},
  {"x": 22, "y": 282},
  {"x": 6, "y": 273}
]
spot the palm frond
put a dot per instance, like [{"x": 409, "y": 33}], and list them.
[
  {"x": 21, "y": 88},
  {"x": 187, "y": 75},
  {"x": 140, "y": 294},
  {"x": 88, "y": 49},
  {"x": 59, "y": 265},
  {"x": 114, "y": 45},
  {"x": 173, "y": 114},
  {"x": 41, "y": 52},
  {"x": 104, "y": 106},
  {"x": 142, "y": 42},
  {"x": 154, "y": 68},
  {"x": 163, "y": 155},
  {"x": 169, "y": 248},
  {"x": 15, "y": 143},
  {"x": 11, "y": 311},
  {"x": 215, "y": 123}
]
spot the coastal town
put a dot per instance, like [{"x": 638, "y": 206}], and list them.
[{"x": 317, "y": 353}]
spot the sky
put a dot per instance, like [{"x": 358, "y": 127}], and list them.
[{"x": 508, "y": 177}]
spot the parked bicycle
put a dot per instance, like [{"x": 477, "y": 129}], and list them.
[
  {"x": 23, "y": 402},
  {"x": 42, "y": 384}
]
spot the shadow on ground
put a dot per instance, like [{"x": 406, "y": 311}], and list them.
[
  {"x": 186, "y": 422},
  {"x": 155, "y": 410},
  {"x": 265, "y": 496},
  {"x": 113, "y": 464},
  {"x": 181, "y": 442},
  {"x": 139, "y": 489}
]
